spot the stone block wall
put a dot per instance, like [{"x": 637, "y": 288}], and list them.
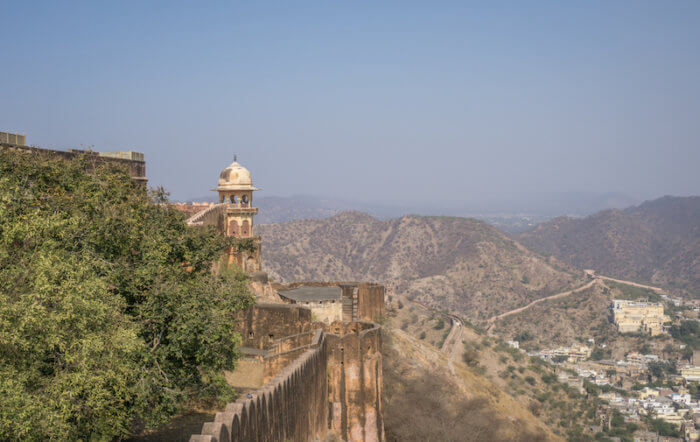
[
  {"x": 361, "y": 301},
  {"x": 261, "y": 325},
  {"x": 355, "y": 382},
  {"x": 291, "y": 407},
  {"x": 332, "y": 384}
]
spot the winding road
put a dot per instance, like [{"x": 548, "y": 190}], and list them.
[
  {"x": 493, "y": 319},
  {"x": 590, "y": 273}
]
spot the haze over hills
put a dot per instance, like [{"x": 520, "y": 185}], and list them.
[
  {"x": 657, "y": 242},
  {"x": 516, "y": 213},
  {"x": 458, "y": 264}
]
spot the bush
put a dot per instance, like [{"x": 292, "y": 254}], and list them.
[
  {"x": 109, "y": 311},
  {"x": 530, "y": 380}
]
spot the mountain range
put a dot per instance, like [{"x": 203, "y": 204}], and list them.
[
  {"x": 657, "y": 242},
  {"x": 458, "y": 264}
]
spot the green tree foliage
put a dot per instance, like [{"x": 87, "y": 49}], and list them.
[
  {"x": 662, "y": 427},
  {"x": 110, "y": 315},
  {"x": 599, "y": 353},
  {"x": 687, "y": 332}
]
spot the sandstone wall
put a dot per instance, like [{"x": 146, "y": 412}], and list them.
[
  {"x": 355, "y": 382},
  {"x": 330, "y": 384},
  {"x": 361, "y": 301},
  {"x": 260, "y": 326},
  {"x": 291, "y": 407}
]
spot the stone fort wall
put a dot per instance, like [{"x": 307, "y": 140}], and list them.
[
  {"x": 362, "y": 301},
  {"x": 322, "y": 379}
]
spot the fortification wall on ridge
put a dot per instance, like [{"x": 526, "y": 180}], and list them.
[
  {"x": 362, "y": 301},
  {"x": 261, "y": 325},
  {"x": 331, "y": 384}
]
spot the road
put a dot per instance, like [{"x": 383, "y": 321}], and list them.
[
  {"x": 453, "y": 341},
  {"x": 592, "y": 274},
  {"x": 622, "y": 281},
  {"x": 493, "y": 319}
]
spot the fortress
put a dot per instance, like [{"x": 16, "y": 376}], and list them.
[
  {"x": 639, "y": 317},
  {"x": 312, "y": 363}
]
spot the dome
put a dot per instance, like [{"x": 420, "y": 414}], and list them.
[{"x": 235, "y": 177}]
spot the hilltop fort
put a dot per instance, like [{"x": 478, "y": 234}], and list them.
[{"x": 312, "y": 363}]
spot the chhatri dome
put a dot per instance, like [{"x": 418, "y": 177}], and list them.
[{"x": 235, "y": 177}]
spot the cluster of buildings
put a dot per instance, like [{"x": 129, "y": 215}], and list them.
[
  {"x": 574, "y": 353},
  {"x": 674, "y": 406},
  {"x": 617, "y": 378},
  {"x": 639, "y": 317}
]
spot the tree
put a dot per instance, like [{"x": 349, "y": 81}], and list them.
[{"x": 110, "y": 314}]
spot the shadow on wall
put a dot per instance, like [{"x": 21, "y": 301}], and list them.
[{"x": 334, "y": 386}]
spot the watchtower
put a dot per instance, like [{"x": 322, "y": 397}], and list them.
[{"x": 236, "y": 192}]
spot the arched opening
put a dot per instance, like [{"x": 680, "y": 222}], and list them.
[
  {"x": 244, "y": 200},
  {"x": 233, "y": 228},
  {"x": 234, "y": 199},
  {"x": 245, "y": 229}
]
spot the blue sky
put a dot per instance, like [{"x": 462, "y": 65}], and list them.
[{"x": 393, "y": 102}]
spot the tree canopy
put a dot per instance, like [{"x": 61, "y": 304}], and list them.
[{"x": 110, "y": 315}]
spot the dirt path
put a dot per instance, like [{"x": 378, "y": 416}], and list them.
[
  {"x": 622, "y": 281},
  {"x": 591, "y": 273},
  {"x": 493, "y": 319}
]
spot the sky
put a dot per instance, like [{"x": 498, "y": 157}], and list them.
[{"x": 440, "y": 103}]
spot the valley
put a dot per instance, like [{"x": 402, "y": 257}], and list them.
[{"x": 533, "y": 327}]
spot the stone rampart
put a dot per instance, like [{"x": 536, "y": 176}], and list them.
[
  {"x": 260, "y": 326},
  {"x": 331, "y": 384},
  {"x": 362, "y": 301}
]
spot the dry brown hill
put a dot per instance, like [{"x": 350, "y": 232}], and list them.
[
  {"x": 657, "y": 242},
  {"x": 456, "y": 264}
]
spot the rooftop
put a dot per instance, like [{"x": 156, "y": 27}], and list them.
[{"x": 313, "y": 294}]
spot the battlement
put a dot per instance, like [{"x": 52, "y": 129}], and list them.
[{"x": 316, "y": 379}]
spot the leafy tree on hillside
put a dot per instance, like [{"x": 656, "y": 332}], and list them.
[
  {"x": 110, "y": 315},
  {"x": 687, "y": 332}
]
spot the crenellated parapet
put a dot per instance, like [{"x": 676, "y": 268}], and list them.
[{"x": 320, "y": 379}]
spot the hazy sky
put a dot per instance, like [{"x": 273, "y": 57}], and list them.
[{"x": 379, "y": 101}]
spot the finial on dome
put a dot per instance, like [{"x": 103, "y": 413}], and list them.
[{"x": 235, "y": 157}]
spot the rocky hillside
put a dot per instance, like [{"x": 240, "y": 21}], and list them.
[
  {"x": 657, "y": 242},
  {"x": 457, "y": 264}
]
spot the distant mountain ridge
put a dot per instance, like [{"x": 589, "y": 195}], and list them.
[
  {"x": 457, "y": 264},
  {"x": 657, "y": 242},
  {"x": 512, "y": 214}
]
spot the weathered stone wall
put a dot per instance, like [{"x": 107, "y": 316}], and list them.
[
  {"x": 355, "y": 382},
  {"x": 361, "y": 301},
  {"x": 331, "y": 384},
  {"x": 370, "y": 303},
  {"x": 291, "y": 407},
  {"x": 261, "y": 325}
]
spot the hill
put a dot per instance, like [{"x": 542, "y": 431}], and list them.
[
  {"x": 456, "y": 264},
  {"x": 483, "y": 389},
  {"x": 656, "y": 242}
]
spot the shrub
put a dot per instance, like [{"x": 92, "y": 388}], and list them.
[
  {"x": 530, "y": 380},
  {"x": 109, "y": 311}
]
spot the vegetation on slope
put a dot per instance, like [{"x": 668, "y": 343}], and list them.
[
  {"x": 424, "y": 401},
  {"x": 656, "y": 242},
  {"x": 456, "y": 264},
  {"x": 574, "y": 319},
  {"x": 110, "y": 317}
]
